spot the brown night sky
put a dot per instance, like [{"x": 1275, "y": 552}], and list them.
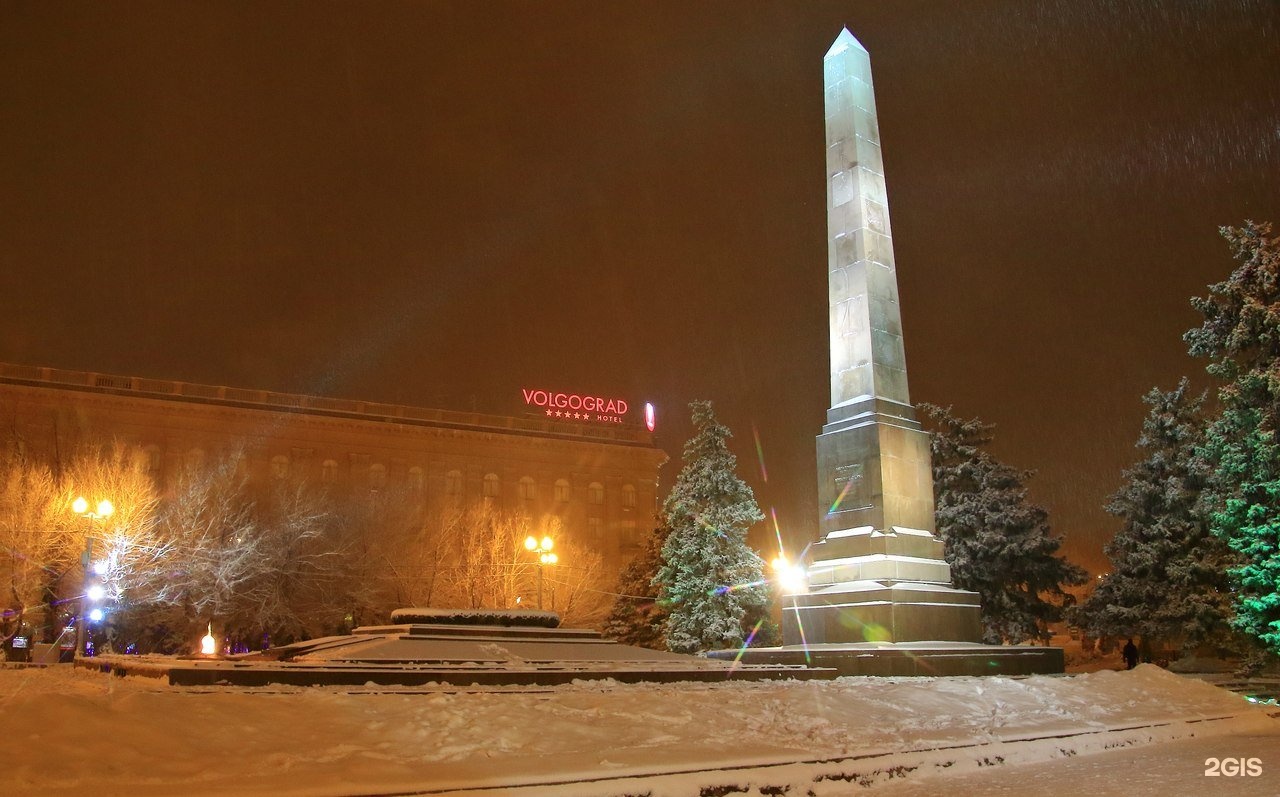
[{"x": 439, "y": 203}]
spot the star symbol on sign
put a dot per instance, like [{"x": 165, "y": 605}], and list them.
[
  {"x": 557, "y": 413},
  {"x": 577, "y": 415},
  {"x": 548, "y": 413}
]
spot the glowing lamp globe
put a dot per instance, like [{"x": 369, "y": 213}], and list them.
[
  {"x": 546, "y": 543},
  {"x": 96, "y": 616},
  {"x": 105, "y": 508},
  {"x": 530, "y": 543},
  {"x": 80, "y": 506},
  {"x": 793, "y": 579},
  {"x": 95, "y": 592}
]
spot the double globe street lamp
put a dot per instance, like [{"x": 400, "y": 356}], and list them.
[
  {"x": 545, "y": 557},
  {"x": 93, "y": 591}
]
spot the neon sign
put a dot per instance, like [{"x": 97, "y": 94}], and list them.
[
  {"x": 576, "y": 406},
  {"x": 648, "y": 417}
]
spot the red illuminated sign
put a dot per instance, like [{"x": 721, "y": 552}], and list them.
[
  {"x": 648, "y": 417},
  {"x": 576, "y": 406}
]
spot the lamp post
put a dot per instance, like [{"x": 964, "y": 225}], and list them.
[
  {"x": 80, "y": 506},
  {"x": 545, "y": 557}
]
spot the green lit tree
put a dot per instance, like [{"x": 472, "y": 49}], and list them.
[
  {"x": 1240, "y": 336},
  {"x": 710, "y": 579},
  {"x": 1168, "y": 580},
  {"x": 997, "y": 542}
]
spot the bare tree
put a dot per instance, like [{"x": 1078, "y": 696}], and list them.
[
  {"x": 208, "y": 550},
  {"x": 125, "y": 542},
  {"x": 292, "y": 594},
  {"x": 409, "y": 548},
  {"x": 582, "y": 591},
  {"x": 36, "y": 547},
  {"x": 489, "y": 567}
]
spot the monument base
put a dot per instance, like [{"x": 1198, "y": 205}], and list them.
[
  {"x": 910, "y": 658},
  {"x": 457, "y": 648}
]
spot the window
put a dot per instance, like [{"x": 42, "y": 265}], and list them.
[
  {"x": 595, "y": 493},
  {"x": 280, "y": 466},
  {"x": 152, "y": 454},
  {"x": 629, "y": 532},
  {"x": 329, "y": 471},
  {"x": 628, "y": 496},
  {"x": 453, "y": 483},
  {"x": 492, "y": 485},
  {"x": 563, "y": 491},
  {"x": 528, "y": 488},
  {"x": 595, "y": 528},
  {"x": 377, "y": 476},
  {"x": 415, "y": 478}
]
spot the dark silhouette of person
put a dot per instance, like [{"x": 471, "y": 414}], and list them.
[{"x": 1130, "y": 653}]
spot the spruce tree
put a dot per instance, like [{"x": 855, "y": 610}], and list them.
[
  {"x": 638, "y": 617},
  {"x": 1240, "y": 336},
  {"x": 997, "y": 542},
  {"x": 710, "y": 579},
  {"x": 1168, "y": 578}
]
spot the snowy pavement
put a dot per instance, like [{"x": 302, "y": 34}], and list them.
[
  {"x": 63, "y": 731},
  {"x": 1172, "y": 768}
]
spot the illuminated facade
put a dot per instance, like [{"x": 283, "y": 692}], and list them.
[{"x": 601, "y": 480}]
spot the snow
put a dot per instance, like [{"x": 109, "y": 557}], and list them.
[
  {"x": 67, "y": 730},
  {"x": 526, "y": 617}
]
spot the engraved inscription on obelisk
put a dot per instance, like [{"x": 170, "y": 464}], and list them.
[{"x": 871, "y": 428}]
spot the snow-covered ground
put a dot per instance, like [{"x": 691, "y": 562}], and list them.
[{"x": 66, "y": 732}]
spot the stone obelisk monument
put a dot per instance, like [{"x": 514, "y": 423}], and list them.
[
  {"x": 878, "y": 574},
  {"x": 879, "y": 599}
]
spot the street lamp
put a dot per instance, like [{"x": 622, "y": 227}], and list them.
[
  {"x": 545, "y": 557},
  {"x": 790, "y": 577},
  {"x": 90, "y": 592}
]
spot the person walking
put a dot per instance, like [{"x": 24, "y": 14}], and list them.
[{"x": 1130, "y": 653}]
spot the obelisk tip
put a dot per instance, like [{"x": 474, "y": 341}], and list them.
[{"x": 843, "y": 42}]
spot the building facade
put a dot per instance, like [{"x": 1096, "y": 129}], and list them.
[{"x": 601, "y": 480}]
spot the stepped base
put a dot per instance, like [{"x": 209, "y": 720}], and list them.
[
  {"x": 882, "y": 611},
  {"x": 911, "y": 658}
]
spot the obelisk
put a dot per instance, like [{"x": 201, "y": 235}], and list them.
[{"x": 878, "y": 575}]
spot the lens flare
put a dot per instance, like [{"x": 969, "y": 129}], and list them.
[
  {"x": 804, "y": 643},
  {"x": 835, "y": 506},
  {"x": 764, "y": 474},
  {"x": 746, "y": 644},
  {"x": 726, "y": 588}
]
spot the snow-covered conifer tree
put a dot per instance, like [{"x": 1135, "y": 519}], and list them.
[
  {"x": 1168, "y": 579},
  {"x": 997, "y": 542},
  {"x": 638, "y": 617},
  {"x": 709, "y": 578},
  {"x": 1240, "y": 336}
]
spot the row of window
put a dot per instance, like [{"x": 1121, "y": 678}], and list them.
[
  {"x": 528, "y": 489},
  {"x": 491, "y": 486}
]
